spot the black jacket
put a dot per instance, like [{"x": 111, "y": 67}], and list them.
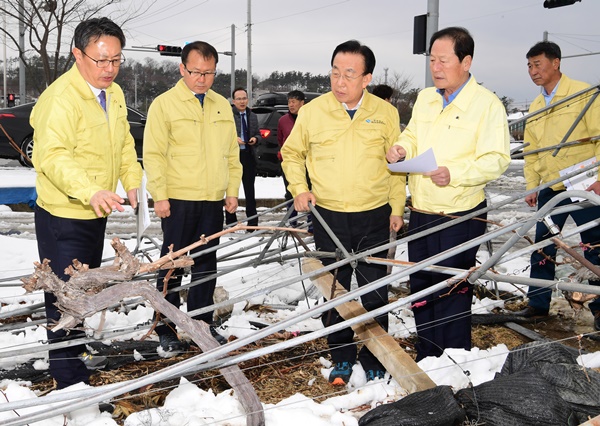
[{"x": 253, "y": 130}]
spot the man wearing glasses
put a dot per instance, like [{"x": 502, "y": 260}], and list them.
[
  {"x": 191, "y": 158},
  {"x": 82, "y": 149},
  {"x": 246, "y": 123},
  {"x": 341, "y": 139}
]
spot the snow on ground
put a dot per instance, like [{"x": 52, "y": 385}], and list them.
[{"x": 188, "y": 404}]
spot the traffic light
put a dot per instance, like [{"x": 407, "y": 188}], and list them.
[
  {"x": 168, "y": 50},
  {"x": 551, "y": 4},
  {"x": 10, "y": 100}
]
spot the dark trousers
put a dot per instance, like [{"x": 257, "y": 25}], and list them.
[
  {"x": 61, "y": 240},
  {"x": 248, "y": 161},
  {"x": 443, "y": 318},
  {"x": 544, "y": 269},
  {"x": 187, "y": 222},
  {"x": 357, "y": 232}
]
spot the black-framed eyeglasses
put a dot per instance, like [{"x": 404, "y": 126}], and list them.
[
  {"x": 348, "y": 76},
  {"x": 199, "y": 74},
  {"x": 103, "y": 63}
]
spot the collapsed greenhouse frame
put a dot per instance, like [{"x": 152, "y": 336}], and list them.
[{"x": 218, "y": 358}]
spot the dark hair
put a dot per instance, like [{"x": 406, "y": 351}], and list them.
[
  {"x": 354, "y": 46},
  {"x": 296, "y": 94},
  {"x": 238, "y": 89},
  {"x": 548, "y": 48},
  {"x": 383, "y": 91},
  {"x": 92, "y": 29},
  {"x": 203, "y": 48},
  {"x": 464, "y": 45}
]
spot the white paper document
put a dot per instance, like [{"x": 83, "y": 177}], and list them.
[
  {"x": 143, "y": 212},
  {"x": 583, "y": 180},
  {"x": 420, "y": 164}
]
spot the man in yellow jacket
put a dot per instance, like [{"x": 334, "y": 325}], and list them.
[
  {"x": 82, "y": 149},
  {"x": 465, "y": 125},
  {"x": 545, "y": 130},
  {"x": 191, "y": 158},
  {"x": 341, "y": 139}
]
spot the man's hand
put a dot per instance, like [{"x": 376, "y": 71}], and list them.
[
  {"x": 396, "y": 223},
  {"x": 531, "y": 199},
  {"x": 104, "y": 202},
  {"x": 240, "y": 141},
  {"x": 301, "y": 201},
  {"x": 395, "y": 154},
  {"x": 162, "y": 208},
  {"x": 440, "y": 176},
  {"x": 132, "y": 197},
  {"x": 594, "y": 187},
  {"x": 252, "y": 141},
  {"x": 231, "y": 204}
]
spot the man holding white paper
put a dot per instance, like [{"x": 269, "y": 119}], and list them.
[
  {"x": 543, "y": 62},
  {"x": 466, "y": 126}
]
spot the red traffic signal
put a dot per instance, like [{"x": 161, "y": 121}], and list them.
[
  {"x": 165, "y": 50},
  {"x": 10, "y": 100}
]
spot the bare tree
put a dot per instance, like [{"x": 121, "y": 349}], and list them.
[{"x": 48, "y": 27}]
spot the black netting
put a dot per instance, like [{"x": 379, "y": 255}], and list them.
[
  {"x": 433, "y": 407},
  {"x": 578, "y": 387},
  {"x": 538, "y": 385},
  {"x": 524, "y": 398},
  {"x": 529, "y": 354}
]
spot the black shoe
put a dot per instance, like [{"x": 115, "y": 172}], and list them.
[
  {"x": 171, "y": 345},
  {"x": 531, "y": 312},
  {"x": 597, "y": 321},
  {"x": 341, "y": 373},
  {"x": 221, "y": 340},
  {"x": 106, "y": 407}
]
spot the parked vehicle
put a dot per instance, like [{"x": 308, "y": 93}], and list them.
[
  {"x": 279, "y": 99},
  {"x": 269, "y": 108},
  {"x": 267, "y": 147},
  {"x": 15, "y": 121}
]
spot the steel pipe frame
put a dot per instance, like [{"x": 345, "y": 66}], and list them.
[
  {"x": 537, "y": 216},
  {"x": 337, "y": 301}
]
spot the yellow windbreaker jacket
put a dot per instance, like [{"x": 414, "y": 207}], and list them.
[
  {"x": 469, "y": 136},
  {"x": 78, "y": 150},
  {"x": 191, "y": 152},
  {"x": 549, "y": 128},
  {"x": 345, "y": 158}
]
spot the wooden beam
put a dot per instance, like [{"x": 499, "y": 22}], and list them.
[{"x": 397, "y": 362}]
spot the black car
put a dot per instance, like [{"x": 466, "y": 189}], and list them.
[
  {"x": 279, "y": 99},
  {"x": 15, "y": 122},
  {"x": 267, "y": 147},
  {"x": 269, "y": 108}
]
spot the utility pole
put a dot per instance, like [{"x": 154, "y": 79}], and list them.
[
  {"x": 249, "y": 71},
  {"x": 4, "y": 96},
  {"x": 433, "y": 16},
  {"x": 22, "y": 91},
  {"x": 135, "y": 88},
  {"x": 232, "y": 58}
]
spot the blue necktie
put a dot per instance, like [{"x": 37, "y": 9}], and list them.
[
  {"x": 244, "y": 129},
  {"x": 102, "y": 98},
  {"x": 351, "y": 113},
  {"x": 200, "y": 97}
]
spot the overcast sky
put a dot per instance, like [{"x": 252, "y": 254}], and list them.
[{"x": 301, "y": 35}]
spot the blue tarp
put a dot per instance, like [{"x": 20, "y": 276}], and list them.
[{"x": 18, "y": 196}]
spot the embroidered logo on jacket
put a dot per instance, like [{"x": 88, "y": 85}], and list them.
[{"x": 375, "y": 121}]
